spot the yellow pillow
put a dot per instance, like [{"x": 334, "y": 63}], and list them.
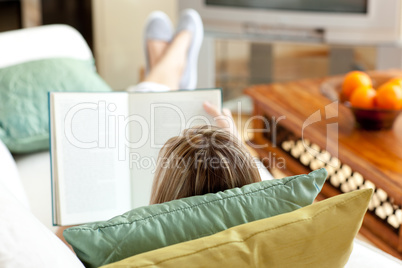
[{"x": 319, "y": 235}]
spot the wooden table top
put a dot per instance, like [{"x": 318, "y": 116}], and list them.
[{"x": 377, "y": 155}]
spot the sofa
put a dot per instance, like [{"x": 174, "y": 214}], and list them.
[
  {"x": 25, "y": 192},
  {"x": 32, "y": 219}
]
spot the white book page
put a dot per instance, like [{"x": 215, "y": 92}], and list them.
[
  {"x": 92, "y": 178},
  {"x": 156, "y": 118}
]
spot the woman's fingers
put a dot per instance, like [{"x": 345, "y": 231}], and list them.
[
  {"x": 222, "y": 119},
  {"x": 227, "y": 112},
  {"x": 212, "y": 110}
]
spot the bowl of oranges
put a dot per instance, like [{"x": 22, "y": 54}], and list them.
[{"x": 375, "y": 99}]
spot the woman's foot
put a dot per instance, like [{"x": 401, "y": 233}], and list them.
[
  {"x": 158, "y": 33},
  {"x": 190, "y": 21},
  {"x": 175, "y": 64}
]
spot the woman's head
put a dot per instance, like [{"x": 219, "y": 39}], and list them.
[{"x": 202, "y": 160}]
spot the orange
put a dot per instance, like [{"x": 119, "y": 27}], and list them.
[
  {"x": 352, "y": 81},
  {"x": 363, "y": 97},
  {"x": 389, "y": 96},
  {"x": 397, "y": 81}
]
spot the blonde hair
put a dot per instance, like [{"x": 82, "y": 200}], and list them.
[{"x": 202, "y": 160}]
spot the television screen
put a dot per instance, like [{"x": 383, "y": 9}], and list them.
[{"x": 337, "y": 6}]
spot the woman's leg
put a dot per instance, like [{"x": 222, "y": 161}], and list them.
[
  {"x": 156, "y": 49},
  {"x": 171, "y": 66},
  {"x": 169, "y": 69}
]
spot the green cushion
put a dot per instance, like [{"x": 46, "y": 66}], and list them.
[
  {"x": 319, "y": 235},
  {"x": 24, "y": 88},
  {"x": 156, "y": 226}
]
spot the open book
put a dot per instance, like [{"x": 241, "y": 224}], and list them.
[{"x": 104, "y": 147}]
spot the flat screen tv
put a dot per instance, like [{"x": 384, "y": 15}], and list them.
[{"x": 331, "y": 21}]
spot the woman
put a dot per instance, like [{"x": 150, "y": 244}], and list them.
[{"x": 203, "y": 159}]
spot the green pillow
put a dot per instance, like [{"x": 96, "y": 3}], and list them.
[
  {"x": 319, "y": 235},
  {"x": 156, "y": 226},
  {"x": 24, "y": 123}
]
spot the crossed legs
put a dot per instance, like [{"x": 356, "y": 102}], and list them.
[{"x": 168, "y": 60}]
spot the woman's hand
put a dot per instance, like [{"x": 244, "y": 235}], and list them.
[{"x": 223, "y": 119}]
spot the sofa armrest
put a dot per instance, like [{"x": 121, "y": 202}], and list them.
[{"x": 50, "y": 41}]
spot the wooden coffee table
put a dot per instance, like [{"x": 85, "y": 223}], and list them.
[{"x": 297, "y": 129}]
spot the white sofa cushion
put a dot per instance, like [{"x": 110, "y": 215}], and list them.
[
  {"x": 24, "y": 241},
  {"x": 9, "y": 177},
  {"x": 34, "y": 170}
]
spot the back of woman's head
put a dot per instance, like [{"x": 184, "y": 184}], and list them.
[{"x": 202, "y": 160}]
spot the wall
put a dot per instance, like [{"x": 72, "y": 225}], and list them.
[{"x": 118, "y": 42}]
